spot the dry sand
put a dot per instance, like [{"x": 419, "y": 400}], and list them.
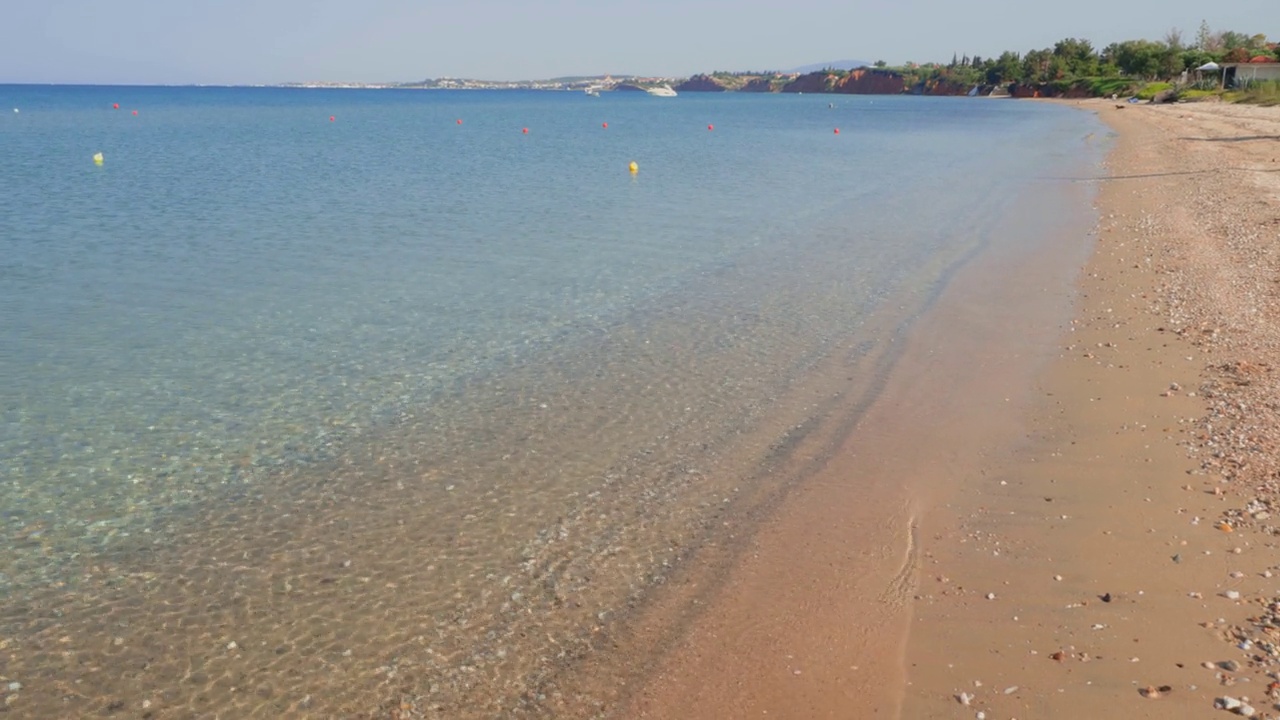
[
  {"x": 1047, "y": 513},
  {"x": 1102, "y": 539}
]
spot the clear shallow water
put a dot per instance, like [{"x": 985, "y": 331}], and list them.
[{"x": 491, "y": 371}]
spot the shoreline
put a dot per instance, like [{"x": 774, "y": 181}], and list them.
[
  {"x": 768, "y": 632},
  {"x": 1116, "y": 588},
  {"x": 1059, "y": 552}
]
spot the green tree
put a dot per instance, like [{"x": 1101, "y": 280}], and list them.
[
  {"x": 1142, "y": 58},
  {"x": 881, "y": 64},
  {"x": 1006, "y": 69},
  {"x": 1077, "y": 56},
  {"x": 1230, "y": 40},
  {"x": 1035, "y": 65},
  {"x": 1237, "y": 55},
  {"x": 1205, "y": 40},
  {"x": 1170, "y": 62},
  {"x": 1192, "y": 59}
]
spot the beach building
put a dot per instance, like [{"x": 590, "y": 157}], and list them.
[{"x": 1257, "y": 70}]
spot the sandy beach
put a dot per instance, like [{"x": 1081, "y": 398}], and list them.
[
  {"x": 1120, "y": 562},
  {"x": 1072, "y": 514}
]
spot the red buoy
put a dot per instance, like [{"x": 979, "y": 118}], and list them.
[
  {"x": 525, "y": 131},
  {"x": 332, "y": 118},
  {"x": 135, "y": 112},
  {"x": 459, "y": 121},
  {"x": 604, "y": 125},
  {"x": 115, "y": 106},
  {"x": 711, "y": 127},
  {"x": 837, "y": 131}
]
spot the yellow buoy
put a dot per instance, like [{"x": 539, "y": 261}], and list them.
[
  {"x": 633, "y": 167},
  {"x": 97, "y": 158}
]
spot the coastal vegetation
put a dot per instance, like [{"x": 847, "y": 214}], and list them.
[{"x": 1073, "y": 67}]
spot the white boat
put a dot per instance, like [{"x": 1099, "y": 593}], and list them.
[
  {"x": 661, "y": 91},
  {"x": 593, "y": 91}
]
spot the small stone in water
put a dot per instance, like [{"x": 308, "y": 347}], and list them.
[
  {"x": 15, "y": 686},
  {"x": 1231, "y": 595},
  {"x": 232, "y": 645},
  {"x": 991, "y": 596}
]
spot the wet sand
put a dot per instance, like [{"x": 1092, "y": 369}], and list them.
[
  {"x": 1036, "y": 526},
  {"x": 810, "y": 618},
  {"x": 1100, "y": 536}
]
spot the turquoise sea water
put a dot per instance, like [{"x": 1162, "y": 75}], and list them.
[{"x": 389, "y": 393}]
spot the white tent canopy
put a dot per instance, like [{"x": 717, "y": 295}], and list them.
[{"x": 1210, "y": 66}]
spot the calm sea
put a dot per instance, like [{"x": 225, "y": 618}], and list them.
[{"x": 317, "y": 402}]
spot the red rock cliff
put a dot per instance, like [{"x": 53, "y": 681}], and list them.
[
  {"x": 944, "y": 87},
  {"x": 864, "y": 81},
  {"x": 869, "y": 81}
]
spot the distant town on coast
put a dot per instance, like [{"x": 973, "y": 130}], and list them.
[{"x": 1231, "y": 65}]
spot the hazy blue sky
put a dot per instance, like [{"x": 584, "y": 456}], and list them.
[{"x": 267, "y": 41}]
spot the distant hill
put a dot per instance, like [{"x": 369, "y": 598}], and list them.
[
  {"x": 835, "y": 65},
  {"x": 579, "y": 78}
]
